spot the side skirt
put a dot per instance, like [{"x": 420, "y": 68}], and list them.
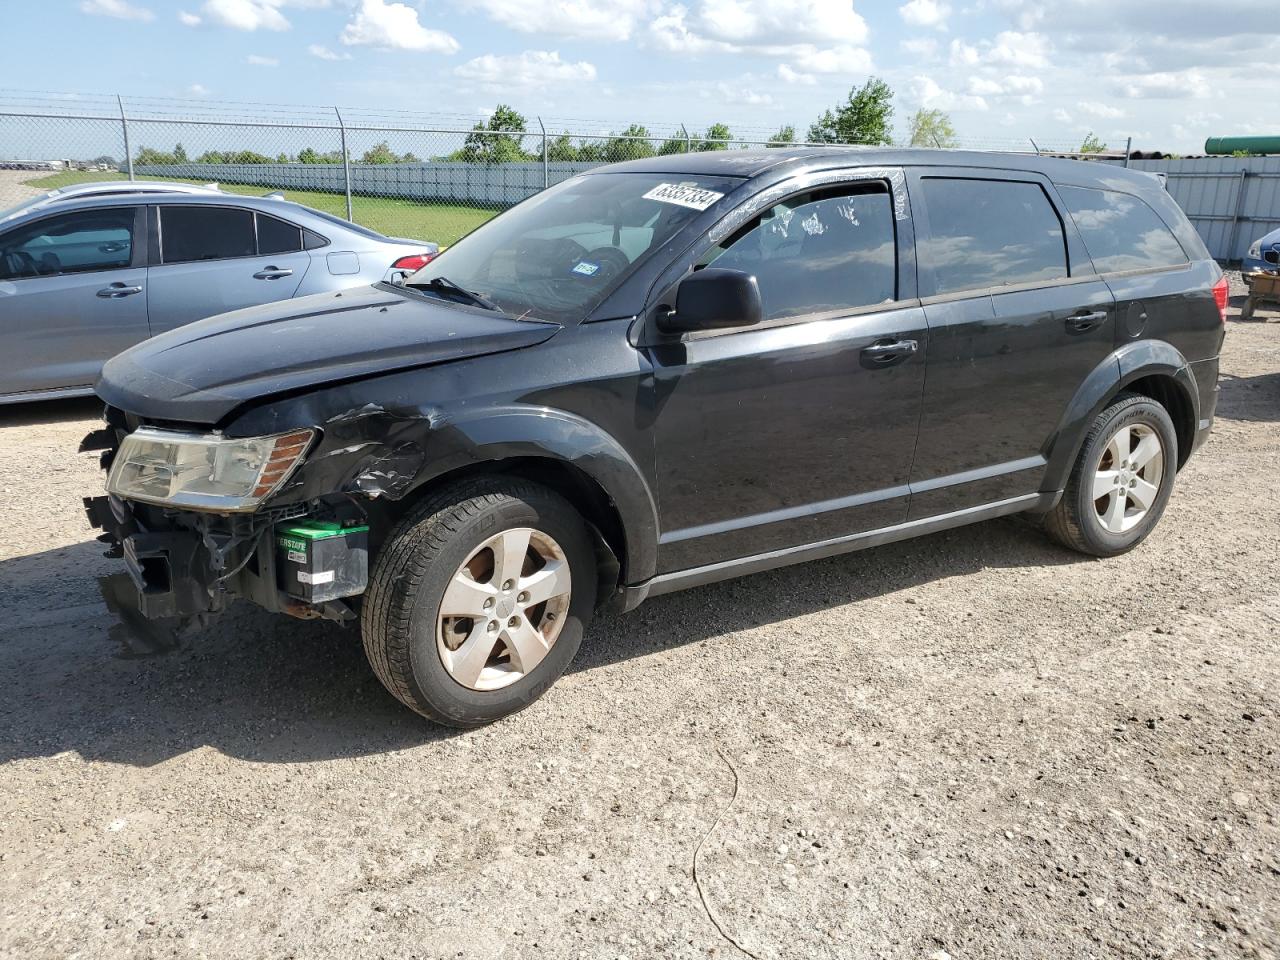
[{"x": 728, "y": 569}]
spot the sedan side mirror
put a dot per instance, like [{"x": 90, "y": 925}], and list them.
[{"x": 714, "y": 298}]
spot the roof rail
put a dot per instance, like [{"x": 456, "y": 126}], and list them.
[{"x": 109, "y": 188}]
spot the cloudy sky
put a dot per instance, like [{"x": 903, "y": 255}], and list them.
[{"x": 1168, "y": 73}]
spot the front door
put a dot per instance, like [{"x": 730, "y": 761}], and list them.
[
  {"x": 1017, "y": 321},
  {"x": 72, "y": 295},
  {"x": 800, "y": 429},
  {"x": 219, "y": 258}
]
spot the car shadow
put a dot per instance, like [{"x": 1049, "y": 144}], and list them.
[
  {"x": 50, "y": 411},
  {"x": 271, "y": 689},
  {"x": 1255, "y": 399}
]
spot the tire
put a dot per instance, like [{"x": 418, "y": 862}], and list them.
[
  {"x": 1250, "y": 305},
  {"x": 1098, "y": 527},
  {"x": 405, "y": 637}
]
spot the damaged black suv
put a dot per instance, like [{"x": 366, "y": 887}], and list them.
[{"x": 660, "y": 374}]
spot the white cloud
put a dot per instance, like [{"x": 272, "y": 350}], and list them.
[
  {"x": 531, "y": 69},
  {"x": 1061, "y": 115},
  {"x": 189, "y": 19},
  {"x": 394, "y": 26},
  {"x": 580, "y": 19},
  {"x": 845, "y": 60},
  {"x": 1095, "y": 109},
  {"x": 324, "y": 53},
  {"x": 964, "y": 54},
  {"x": 788, "y": 75},
  {"x": 747, "y": 95},
  {"x": 925, "y": 13},
  {"x": 932, "y": 96},
  {"x": 1164, "y": 86},
  {"x": 924, "y": 47},
  {"x": 1018, "y": 49},
  {"x": 774, "y": 28},
  {"x": 198, "y": 89},
  {"x": 119, "y": 9},
  {"x": 256, "y": 61},
  {"x": 247, "y": 15}
]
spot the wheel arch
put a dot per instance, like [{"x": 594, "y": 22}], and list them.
[{"x": 1152, "y": 368}]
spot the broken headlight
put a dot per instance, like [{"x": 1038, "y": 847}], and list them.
[{"x": 204, "y": 471}]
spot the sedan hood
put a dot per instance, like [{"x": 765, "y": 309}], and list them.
[{"x": 201, "y": 372}]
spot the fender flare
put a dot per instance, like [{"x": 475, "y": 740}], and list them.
[
  {"x": 545, "y": 433},
  {"x": 1123, "y": 366}
]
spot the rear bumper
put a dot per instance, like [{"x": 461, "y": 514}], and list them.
[{"x": 1205, "y": 374}]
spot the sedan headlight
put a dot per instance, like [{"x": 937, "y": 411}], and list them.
[
  {"x": 1255, "y": 251},
  {"x": 204, "y": 471}
]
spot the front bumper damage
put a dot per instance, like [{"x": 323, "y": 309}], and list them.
[{"x": 186, "y": 565}]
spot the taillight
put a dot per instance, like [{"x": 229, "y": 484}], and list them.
[
  {"x": 1221, "y": 294},
  {"x": 415, "y": 261}
]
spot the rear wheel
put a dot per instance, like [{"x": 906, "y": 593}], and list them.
[
  {"x": 478, "y": 600},
  {"x": 1121, "y": 480}
]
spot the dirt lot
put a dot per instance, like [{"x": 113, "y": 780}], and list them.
[{"x": 973, "y": 745}]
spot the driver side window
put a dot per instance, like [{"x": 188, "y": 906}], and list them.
[
  {"x": 819, "y": 252},
  {"x": 79, "y": 242}
]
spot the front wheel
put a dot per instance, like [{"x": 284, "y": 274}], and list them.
[
  {"x": 478, "y": 600},
  {"x": 1121, "y": 480}
]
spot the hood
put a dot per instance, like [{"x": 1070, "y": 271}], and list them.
[{"x": 201, "y": 372}]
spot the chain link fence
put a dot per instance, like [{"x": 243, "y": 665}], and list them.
[{"x": 424, "y": 176}]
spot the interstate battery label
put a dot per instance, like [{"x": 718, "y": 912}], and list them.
[{"x": 684, "y": 195}]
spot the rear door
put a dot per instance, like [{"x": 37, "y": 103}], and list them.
[
  {"x": 1017, "y": 319},
  {"x": 72, "y": 295},
  {"x": 210, "y": 259}
]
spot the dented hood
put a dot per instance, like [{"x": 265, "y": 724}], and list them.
[{"x": 201, "y": 372}]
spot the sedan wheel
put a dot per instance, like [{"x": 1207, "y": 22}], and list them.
[{"x": 1127, "y": 480}]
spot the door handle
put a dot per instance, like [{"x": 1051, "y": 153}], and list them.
[
  {"x": 883, "y": 354},
  {"x": 117, "y": 290},
  {"x": 272, "y": 273},
  {"x": 1081, "y": 322}
]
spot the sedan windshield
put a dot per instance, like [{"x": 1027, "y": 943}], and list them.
[{"x": 555, "y": 256}]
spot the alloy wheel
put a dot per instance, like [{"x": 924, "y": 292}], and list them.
[
  {"x": 503, "y": 609},
  {"x": 1127, "y": 479}
]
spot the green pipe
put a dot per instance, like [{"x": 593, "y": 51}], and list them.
[{"x": 1225, "y": 146}]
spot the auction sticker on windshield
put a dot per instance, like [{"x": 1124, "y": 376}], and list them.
[{"x": 684, "y": 195}]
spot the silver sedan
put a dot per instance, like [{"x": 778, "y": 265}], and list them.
[{"x": 88, "y": 271}]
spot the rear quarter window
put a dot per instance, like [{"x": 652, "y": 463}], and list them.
[{"x": 1120, "y": 231}]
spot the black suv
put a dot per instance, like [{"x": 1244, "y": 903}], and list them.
[{"x": 660, "y": 374}]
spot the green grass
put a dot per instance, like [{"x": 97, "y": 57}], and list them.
[{"x": 442, "y": 222}]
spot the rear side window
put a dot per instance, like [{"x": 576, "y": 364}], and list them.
[
  {"x": 1121, "y": 232},
  {"x": 277, "y": 236},
  {"x": 819, "y": 252},
  {"x": 205, "y": 233},
  {"x": 990, "y": 233},
  {"x": 77, "y": 242}
]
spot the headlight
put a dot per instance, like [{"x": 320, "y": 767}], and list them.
[
  {"x": 1255, "y": 252},
  {"x": 204, "y": 471}
]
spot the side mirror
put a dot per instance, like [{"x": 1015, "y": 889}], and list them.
[{"x": 712, "y": 299}]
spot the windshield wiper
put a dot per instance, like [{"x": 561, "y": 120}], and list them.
[{"x": 447, "y": 285}]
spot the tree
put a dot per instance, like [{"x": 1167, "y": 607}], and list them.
[
  {"x": 676, "y": 143},
  {"x": 863, "y": 118},
  {"x": 932, "y": 128},
  {"x": 179, "y": 154},
  {"x": 380, "y": 152},
  {"x": 717, "y": 133},
  {"x": 1092, "y": 144},
  {"x": 561, "y": 149},
  {"x": 498, "y": 141},
  {"x": 309, "y": 155},
  {"x": 631, "y": 144},
  {"x": 156, "y": 158},
  {"x": 783, "y": 138}
]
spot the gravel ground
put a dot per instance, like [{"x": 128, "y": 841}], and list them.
[
  {"x": 13, "y": 189},
  {"x": 971, "y": 745}
]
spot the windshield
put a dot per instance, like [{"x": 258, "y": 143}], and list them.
[{"x": 555, "y": 256}]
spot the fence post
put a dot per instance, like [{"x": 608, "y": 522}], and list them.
[
  {"x": 346, "y": 162},
  {"x": 1034, "y": 146},
  {"x": 124, "y": 125},
  {"x": 687, "y": 146},
  {"x": 1128, "y": 149},
  {"x": 1235, "y": 217},
  {"x": 546, "y": 178}
]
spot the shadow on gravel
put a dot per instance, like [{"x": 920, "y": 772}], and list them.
[
  {"x": 49, "y": 411},
  {"x": 275, "y": 690},
  {"x": 1255, "y": 399}
]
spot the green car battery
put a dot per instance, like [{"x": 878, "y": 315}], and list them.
[{"x": 318, "y": 561}]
